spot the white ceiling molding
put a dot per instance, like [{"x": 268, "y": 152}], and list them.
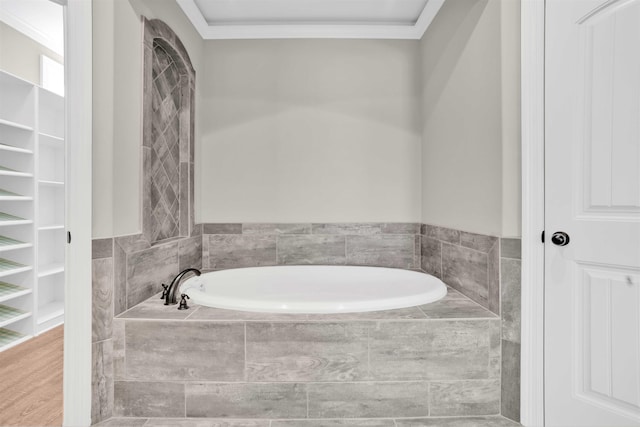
[
  {"x": 287, "y": 28},
  {"x": 40, "y": 20}
]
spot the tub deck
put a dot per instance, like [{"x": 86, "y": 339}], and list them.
[{"x": 405, "y": 367}]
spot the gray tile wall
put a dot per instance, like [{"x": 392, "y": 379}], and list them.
[
  {"x": 102, "y": 330},
  {"x": 467, "y": 262},
  {"x": 252, "y": 245},
  {"x": 125, "y": 271},
  {"x": 478, "y": 375},
  {"x": 510, "y": 272},
  {"x": 230, "y": 364}
]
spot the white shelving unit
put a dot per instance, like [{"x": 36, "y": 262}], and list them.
[{"x": 31, "y": 210}]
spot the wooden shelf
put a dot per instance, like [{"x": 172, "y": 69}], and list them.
[
  {"x": 10, "y": 172},
  {"x": 50, "y": 269},
  {"x": 51, "y": 183},
  {"x": 9, "y": 315},
  {"x": 51, "y": 139},
  {"x": 9, "y": 244},
  {"x": 10, "y": 196},
  {"x": 15, "y": 125},
  {"x": 9, "y": 338},
  {"x": 51, "y": 227},
  {"x": 9, "y": 291},
  {"x": 7, "y": 220},
  {"x": 50, "y": 311},
  {"x": 13, "y": 149},
  {"x": 8, "y": 267}
]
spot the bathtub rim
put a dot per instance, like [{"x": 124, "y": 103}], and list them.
[{"x": 437, "y": 290}]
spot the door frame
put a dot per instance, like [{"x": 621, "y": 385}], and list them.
[
  {"x": 533, "y": 140},
  {"x": 77, "y": 289}
]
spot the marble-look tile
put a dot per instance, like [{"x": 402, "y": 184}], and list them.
[
  {"x": 397, "y": 314},
  {"x": 222, "y": 228},
  {"x": 148, "y": 269},
  {"x": 247, "y": 400},
  {"x": 511, "y": 299},
  {"x": 306, "y": 352},
  {"x": 510, "y": 403},
  {"x": 443, "y": 234},
  {"x": 190, "y": 253},
  {"x": 118, "y": 349},
  {"x": 122, "y": 422},
  {"x": 101, "y": 248},
  {"x": 443, "y": 349},
  {"x": 196, "y": 230},
  {"x": 364, "y": 400},
  {"x": 479, "y": 242},
  {"x": 132, "y": 243},
  {"x": 432, "y": 256},
  {"x": 204, "y": 422},
  {"x": 333, "y": 423},
  {"x": 149, "y": 399},
  {"x": 154, "y": 308},
  {"x": 119, "y": 279},
  {"x": 347, "y": 228},
  {"x": 311, "y": 249},
  {"x": 102, "y": 298},
  {"x": 489, "y": 421},
  {"x": 212, "y": 313},
  {"x": 400, "y": 228},
  {"x": 510, "y": 248},
  {"x": 183, "y": 351},
  {"x": 234, "y": 251},
  {"x": 475, "y": 397},
  {"x": 417, "y": 251},
  {"x": 101, "y": 380},
  {"x": 264, "y": 228},
  {"x": 493, "y": 278},
  {"x": 455, "y": 306},
  {"x": 466, "y": 270},
  {"x": 385, "y": 250},
  {"x": 183, "y": 194}
]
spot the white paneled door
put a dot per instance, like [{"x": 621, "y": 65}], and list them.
[{"x": 592, "y": 143}]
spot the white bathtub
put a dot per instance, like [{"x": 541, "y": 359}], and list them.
[{"x": 313, "y": 289}]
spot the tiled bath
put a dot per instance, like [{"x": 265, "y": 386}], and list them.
[
  {"x": 440, "y": 359},
  {"x": 451, "y": 358}
]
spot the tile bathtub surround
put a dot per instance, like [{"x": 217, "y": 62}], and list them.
[
  {"x": 215, "y": 363},
  {"x": 238, "y": 245},
  {"x": 468, "y": 262},
  {"x": 484, "y": 421},
  {"x": 510, "y": 271},
  {"x": 102, "y": 330}
]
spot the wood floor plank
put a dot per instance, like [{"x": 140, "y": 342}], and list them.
[{"x": 31, "y": 382}]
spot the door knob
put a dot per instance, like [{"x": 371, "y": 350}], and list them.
[{"x": 560, "y": 238}]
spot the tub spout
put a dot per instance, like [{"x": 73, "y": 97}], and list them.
[{"x": 170, "y": 297}]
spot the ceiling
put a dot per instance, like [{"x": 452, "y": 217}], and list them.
[
  {"x": 41, "y": 20},
  {"x": 274, "y": 19}
]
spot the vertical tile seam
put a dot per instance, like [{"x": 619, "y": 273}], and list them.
[
  {"x": 346, "y": 238},
  {"x": 246, "y": 374}
]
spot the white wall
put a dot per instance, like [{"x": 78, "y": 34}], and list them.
[
  {"x": 470, "y": 137},
  {"x": 310, "y": 130},
  {"x": 118, "y": 103},
  {"x": 20, "y": 55}
]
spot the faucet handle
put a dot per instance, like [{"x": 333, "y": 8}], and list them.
[
  {"x": 164, "y": 291},
  {"x": 183, "y": 302}
]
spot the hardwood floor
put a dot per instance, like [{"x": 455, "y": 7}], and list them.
[{"x": 31, "y": 382}]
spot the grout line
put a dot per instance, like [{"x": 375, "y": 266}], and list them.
[
  {"x": 395, "y": 423},
  {"x": 429, "y": 399},
  {"x": 307, "y": 393},
  {"x": 246, "y": 374}
]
